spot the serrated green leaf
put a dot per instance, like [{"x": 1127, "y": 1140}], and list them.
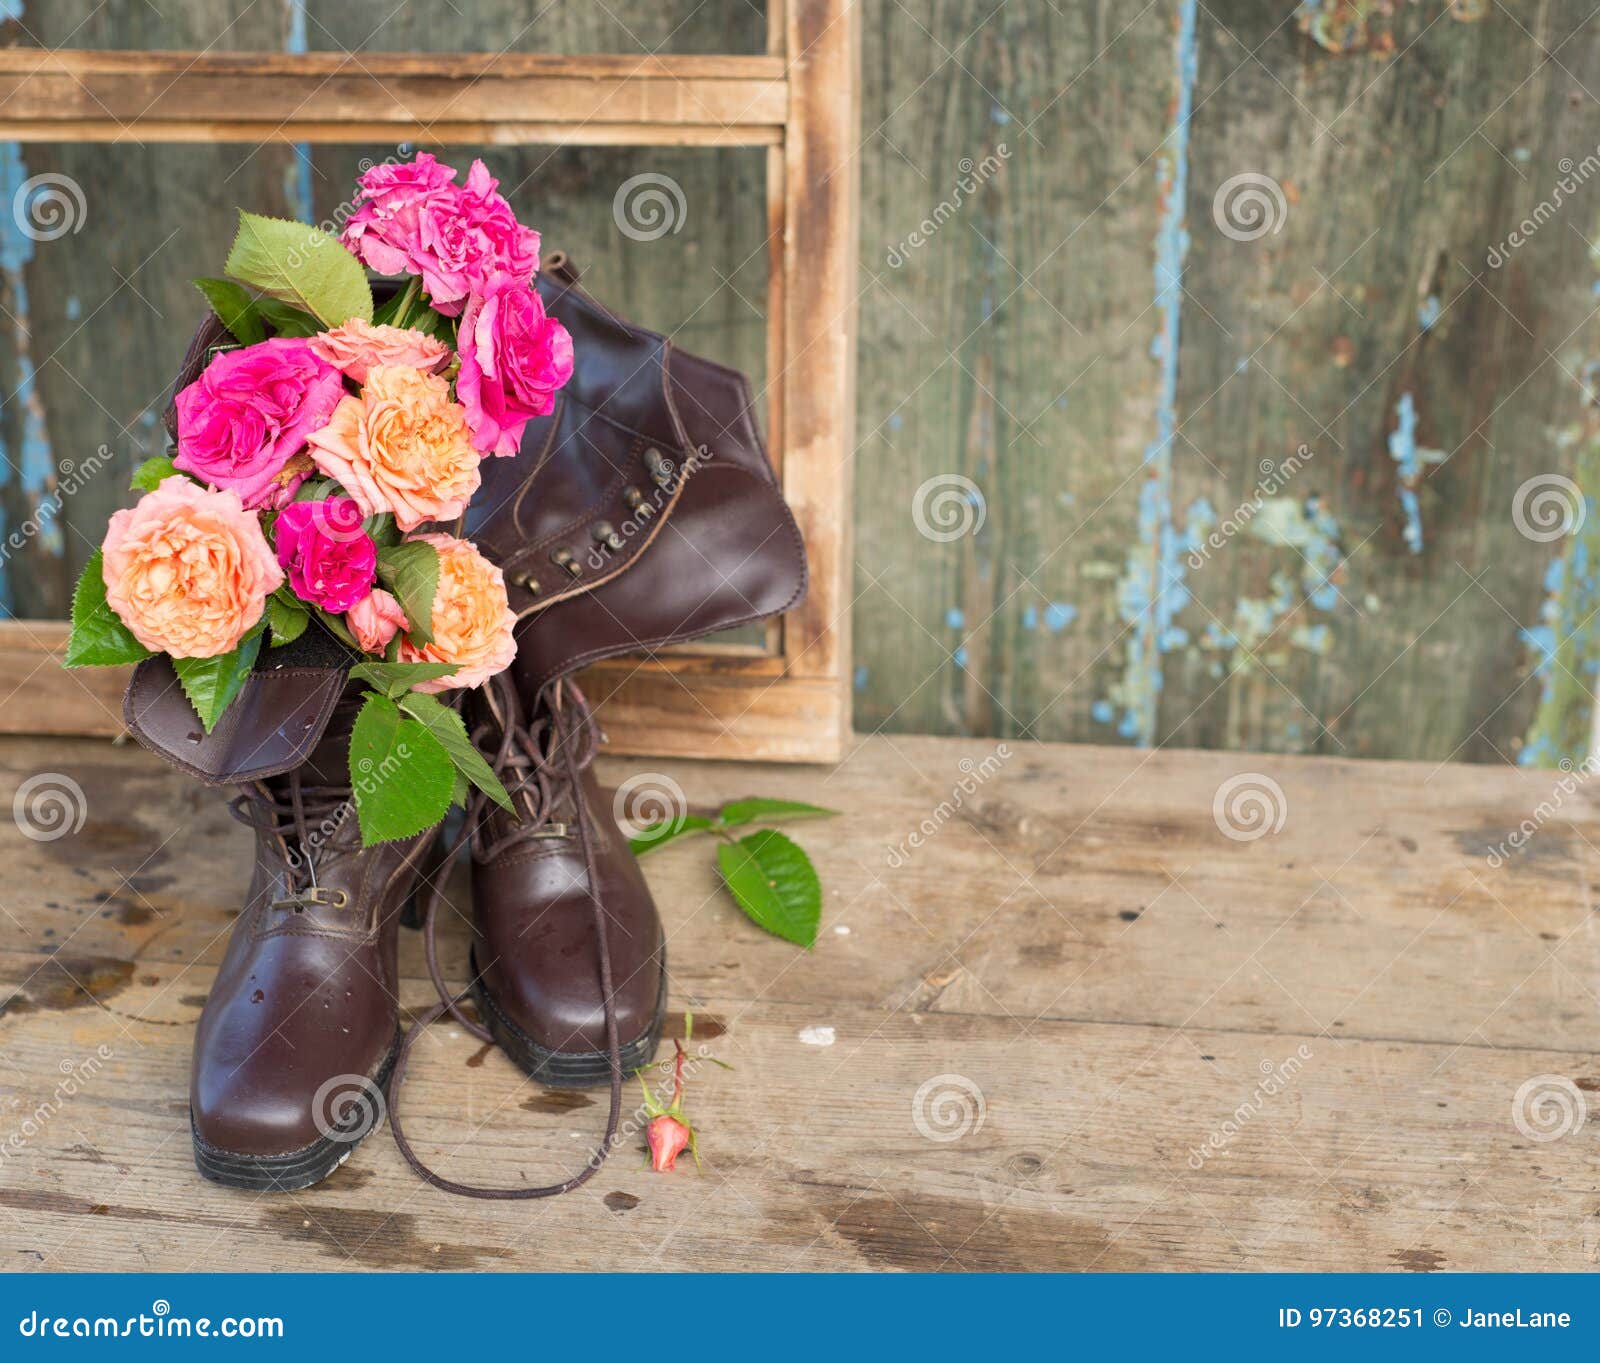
[
  {"x": 395, "y": 679},
  {"x": 664, "y": 831},
  {"x": 737, "y": 812},
  {"x": 302, "y": 266},
  {"x": 773, "y": 881},
  {"x": 99, "y": 638},
  {"x": 235, "y": 308},
  {"x": 447, "y": 726},
  {"x": 212, "y": 683},
  {"x": 285, "y": 320},
  {"x": 287, "y": 617},
  {"x": 411, "y": 572},
  {"x": 402, "y": 777},
  {"x": 147, "y": 477}
]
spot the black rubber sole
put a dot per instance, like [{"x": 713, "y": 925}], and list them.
[
  {"x": 567, "y": 1069},
  {"x": 298, "y": 1169}
]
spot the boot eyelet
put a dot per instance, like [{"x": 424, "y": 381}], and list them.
[
  {"x": 605, "y": 533},
  {"x": 564, "y": 560},
  {"x": 527, "y": 582}
]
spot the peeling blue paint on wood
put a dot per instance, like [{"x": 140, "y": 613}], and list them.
[
  {"x": 1152, "y": 590},
  {"x": 32, "y": 466},
  {"x": 297, "y": 176},
  {"x": 1403, "y": 450}
]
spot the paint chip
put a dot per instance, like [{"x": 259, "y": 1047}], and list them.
[{"x": 815, "y": 1035}]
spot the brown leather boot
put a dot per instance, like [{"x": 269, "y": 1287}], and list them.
[
  {"x": 536, "y": 969},
  {"x": 652, "y": 458},
  {"x": 299, "y": 1033}
]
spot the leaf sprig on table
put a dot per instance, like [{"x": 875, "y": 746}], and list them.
[{"x": 768, "y": 874}]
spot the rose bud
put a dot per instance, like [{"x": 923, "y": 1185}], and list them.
[{"x": 667, "y": 1137}]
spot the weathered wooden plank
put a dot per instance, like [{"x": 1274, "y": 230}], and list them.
[
  {"x": 1010, "y": 213},
  {"x": 384, "y": 27},
  {"x": 122, "y": 96},
  {"x": 1369, "y": 310},
  {"x": 1348, "y": 1155},
  {"x": 1067, "y": 883}
]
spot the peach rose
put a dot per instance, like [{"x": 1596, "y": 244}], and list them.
[
  {"x": 402, "y": 446},
  {"x": 375, "y": 619},
  {"x": 471, "y": 621},
  {"x": 188, "y": 570},
  {"x": 357, "y": 347}
]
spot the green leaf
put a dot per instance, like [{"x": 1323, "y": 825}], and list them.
[
  {"x": 302, "y": 266},
  {"x": 287, "y": 321},
  {"x": 235, "y": 307},
  {"x": 336, "y": 626},
  {"x": 411, "y": 572},
  {"x": 287, "y": 616},
  {"x": 654, "y": 835},
  {"x": 774, "y": 882},
  {"x": 99, "y": 638},
  {"x": 382, "y": 530},
  {"x": 402, "y": 778},
  {"x": 395, "y": 679},
  {"x": 748, "y": 811},
  {"x": 212, "y": 683},
  {"x": 447, "y": 726},
  {"x": 150, "y": 473}
]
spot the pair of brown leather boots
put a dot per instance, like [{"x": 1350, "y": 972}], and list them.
[{"x": 642, "y": 512}]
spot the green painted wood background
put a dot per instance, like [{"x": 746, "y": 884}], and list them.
[{"x": 1133, "y": 466}]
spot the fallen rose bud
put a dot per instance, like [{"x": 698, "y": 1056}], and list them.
[{"x": 667, "y": 1137}]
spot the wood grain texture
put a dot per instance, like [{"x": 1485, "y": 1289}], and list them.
[
  {"x": 1401, "y": 175},
  {"x": 105, "y": 97},
  {"x": 1022, "y": 347},
  {"x": 1297, "y": 1052}
]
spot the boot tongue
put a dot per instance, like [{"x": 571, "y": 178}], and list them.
[{"x": 328, "y": 763}]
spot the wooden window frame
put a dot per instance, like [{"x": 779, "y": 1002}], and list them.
[{"x": 789, "y": 701}]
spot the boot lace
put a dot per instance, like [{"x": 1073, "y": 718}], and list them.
[
  {"x": 534, "y": 762},
  {"x": 302, "y": 821}
]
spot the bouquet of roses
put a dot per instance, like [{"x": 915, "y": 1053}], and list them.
[{"x": 318, "y": 456}]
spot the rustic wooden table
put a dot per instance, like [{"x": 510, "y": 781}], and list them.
[{"x": 1079, "y": 1027}]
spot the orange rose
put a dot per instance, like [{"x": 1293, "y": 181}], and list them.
[
  {"x": 358, "y": 347},
  {"x": 188, "y": 570},
  {"x": 402, "y": 446},
  {"x": 471, "y": 621}
]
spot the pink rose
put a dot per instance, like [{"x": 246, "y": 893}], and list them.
[
  {"x": 513, "y": 358},
  {"x": 246, "y": 417},
  {"x": 375, "y": 619},
  {"x": 188, "y": 570},
  {"x": 358, "y": 346},
  {"x": 414, "y": 219},
  {"x": 331, "y": 560}
]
